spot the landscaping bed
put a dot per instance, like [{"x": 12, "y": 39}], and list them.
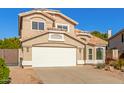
[{"x": 112, "y": 65}]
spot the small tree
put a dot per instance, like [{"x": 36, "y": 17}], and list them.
[
  {"x": 10, "y": 43},
  {"x": 100, "y": 35},
  {"x": 4, "y": 72}
]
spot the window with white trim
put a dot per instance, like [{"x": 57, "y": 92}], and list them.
[
  {"x": 99, "y": 53},
  {"x": 56, "y": 37},
  {"x": 90, "y": 54},
  {"x": 62, "y": 27},
  {"x": 37, "y": 25}
]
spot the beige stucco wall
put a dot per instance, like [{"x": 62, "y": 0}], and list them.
[
  {"x": 61, "y": 20},
  {"x": 43, "y": 41},
  {"x": 27, "y": 30}
]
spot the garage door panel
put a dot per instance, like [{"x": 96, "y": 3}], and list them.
[{"x": 52, "y": 57}]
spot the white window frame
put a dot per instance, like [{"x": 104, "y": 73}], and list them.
[
  {"x": 90, "y": 54},
  {"x": 62, "y": 25},
  {"x": 103, "y": 53},
  {"x": 52, "y": 39},
  {"x": 38, "y": 25}
]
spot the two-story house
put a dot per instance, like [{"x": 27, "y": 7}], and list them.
[
  {"x": 116, "y": 45},
  {"x": 49, "y": 39}
]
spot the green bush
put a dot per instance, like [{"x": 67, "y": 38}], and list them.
[
  {"x": 118, "y": 64},
  {"x": 100, "y": 66},
  {"x": 10, "y": 43},
  {"x": 4, "y": 72}
]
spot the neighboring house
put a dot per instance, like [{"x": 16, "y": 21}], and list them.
[
  {"x": 116, "y": 45},
  {"x": 49, "y": 39}
]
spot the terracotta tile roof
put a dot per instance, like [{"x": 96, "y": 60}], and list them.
[
  {"x": 93, "y": 40},
  {"x": 77, "y": 31},
  {"x": 97, "y": 41}
]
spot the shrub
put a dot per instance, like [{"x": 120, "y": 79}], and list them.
[
  {"x": 109, "y": 61},
  {"x": 100, "y": 66},
  {"x": 10, "y": 43},
  {"x": 4, "y": 72},
  {"x": 118, "y": 64}
]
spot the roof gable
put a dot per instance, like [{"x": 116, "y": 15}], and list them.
[
  {"x": 63, "y": 16},
  {"x": 67, "y": 34},
  {"x": 47, "y": 13},
  {"x": 24, "y": 14}
]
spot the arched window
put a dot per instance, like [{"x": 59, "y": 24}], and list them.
[{"x": 99, "y": 53}]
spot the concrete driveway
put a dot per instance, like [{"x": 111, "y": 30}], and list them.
[{"x": 78, "y": 75}]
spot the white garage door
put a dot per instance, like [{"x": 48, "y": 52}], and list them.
[{"x": 53, "y": 57}]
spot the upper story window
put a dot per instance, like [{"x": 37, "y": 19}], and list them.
[
  {"x": 122, "y": 38},
  {"x": 38, "y": 25},
  {"x": 63, "y": 27}
]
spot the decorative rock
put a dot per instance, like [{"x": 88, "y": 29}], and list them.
[
  {"x": 109, "y": 68},
  {"x": 122, "y": 69}
]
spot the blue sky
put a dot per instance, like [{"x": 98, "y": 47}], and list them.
[{"x": 89, "y": 19}]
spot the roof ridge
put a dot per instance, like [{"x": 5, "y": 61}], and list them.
[{"x": 46, "y": 9}]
